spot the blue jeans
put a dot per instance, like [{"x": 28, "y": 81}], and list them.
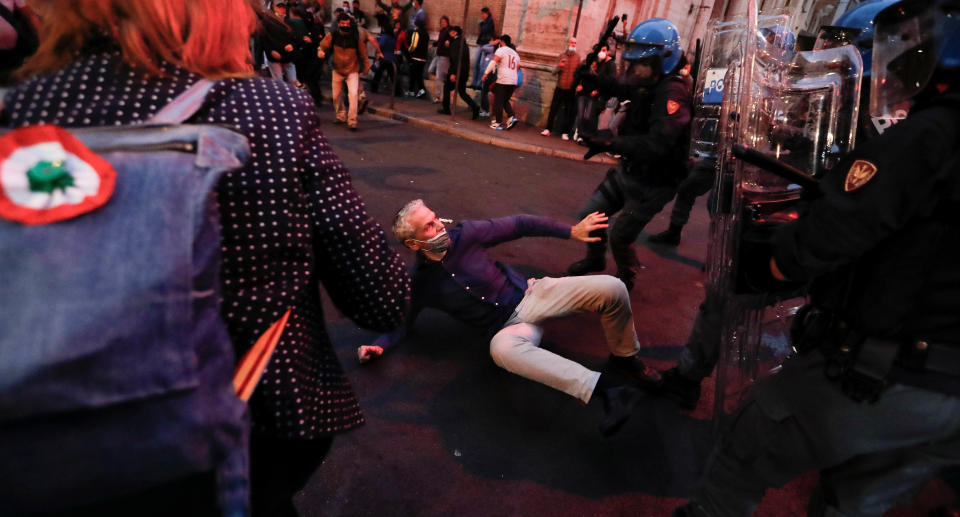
[{"x": 127, "y": 380}]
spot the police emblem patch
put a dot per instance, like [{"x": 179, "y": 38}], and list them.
[
  {"x": 859, "y": 174},
  {"x": 672, "y": 107}
]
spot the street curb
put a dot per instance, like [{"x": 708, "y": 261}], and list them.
[{"x": 470, "y": 135}]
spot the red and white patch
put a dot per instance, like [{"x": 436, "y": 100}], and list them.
[
  {"x": 91, "y": 178},
  {"x": 859, "y": 174},
  {"x": 672, "y": 107}
]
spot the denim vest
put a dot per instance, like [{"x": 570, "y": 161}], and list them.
[{"x": 115, "y": 367}]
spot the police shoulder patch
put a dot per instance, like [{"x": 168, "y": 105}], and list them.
[
  {"x": 861, "y": 172},
  {"x": 672, "y": 107}
]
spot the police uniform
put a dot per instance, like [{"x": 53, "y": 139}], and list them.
[
  {"x": 653, "y": 145},
  {"x": 873, "y": 397}
]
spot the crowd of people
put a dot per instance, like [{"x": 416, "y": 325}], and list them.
[{"x": 871, "y": 397}]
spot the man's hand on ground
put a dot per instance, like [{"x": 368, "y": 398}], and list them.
[
  {"x": 368, "y": 352},
  {"x": 581, "y": 231}
]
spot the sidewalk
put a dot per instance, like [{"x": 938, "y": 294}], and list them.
[{"x": 522, "y": 137}]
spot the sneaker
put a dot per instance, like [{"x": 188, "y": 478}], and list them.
[
  {"x": 512, "y": 122},
  {"x": 421, "y": 94},
  {"x": 564, "y": 137},
  {"x": 680, "y": 389},
  {"x": 545, "y": 132},
  {"x": 484, "y": 114},
  {"x": 633, "y": 368},
  {"x": 618, "y": 404}
]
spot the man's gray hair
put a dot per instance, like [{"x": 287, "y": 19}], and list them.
[{"x": 402, "y": 229}]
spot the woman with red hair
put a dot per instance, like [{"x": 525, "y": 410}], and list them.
[{"x": 291, "y": 219}]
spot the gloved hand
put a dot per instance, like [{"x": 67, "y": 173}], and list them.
[{"x": 596, "y": 145}]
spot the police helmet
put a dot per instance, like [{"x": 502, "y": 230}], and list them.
[
  {"x": 912, "y": 40},
  {"x": 854, "y": 27},
  {"x": 779, "y": 35},
  {"x": 655, "y": 37}
]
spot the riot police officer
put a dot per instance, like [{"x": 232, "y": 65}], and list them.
[
  {"x": 872, "y": 398},
  {"x": 652, "y": 142},
  {"x": 703, "y": 172},
  {"x": 855, "y": 27}
]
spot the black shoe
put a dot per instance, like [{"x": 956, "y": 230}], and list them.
[
  {"x": 670, "y": 237},
  {"x": 338, "y": 121},
  {"x": 633, "y": 368},
  {"x": 587, "y": 265},
  {"x": 443, "y": 111},
  {"x": 676, "y": 387},
  {"x": 618, "y": 404},
  {"x": 476, "y": 113}
]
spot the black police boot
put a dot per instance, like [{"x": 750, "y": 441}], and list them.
[
  {"x": 670, "y": 237},
  {"x": 633, "y": 368},
  {"x": 680, "y": 389},
  {"x": 618, "y": 404},
  {"x": 626, "y": 275},
  {"x": 595, "y": 260}
]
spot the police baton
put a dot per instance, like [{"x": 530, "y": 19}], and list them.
[{"x": 775, "y": 166}]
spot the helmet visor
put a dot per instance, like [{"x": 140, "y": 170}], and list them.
[
  {"x": 904, "y": 56},
  {"x": 832, "y": 36}
]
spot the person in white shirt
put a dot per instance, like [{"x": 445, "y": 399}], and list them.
[{"x": 506, "y": 62}]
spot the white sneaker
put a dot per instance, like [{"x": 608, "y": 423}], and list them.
[
  {"x": 565, "y": 137},
  {"x": 545, "y": 132},
  {"x": 484, "y": 114}
]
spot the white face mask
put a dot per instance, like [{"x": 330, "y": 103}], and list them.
[
  {"x": 601, "y": 55},
  {"x": 572, "y": 48},
  {"x": 436, "y": 244}
]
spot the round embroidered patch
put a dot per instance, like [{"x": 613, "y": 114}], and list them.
[{"x": 47, "y": 175}]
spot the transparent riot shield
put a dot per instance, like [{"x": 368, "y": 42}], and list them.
[
  {"x": 801, "y": 108},
  {"x": 721, "y": 47}
]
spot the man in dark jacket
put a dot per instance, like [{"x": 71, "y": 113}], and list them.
[
  {"x": 455, "y": 274},
  {"x": 419, "y": 49},
  {"x": 457, "y": 77},
  {"x": 652, "y": 142},
  {"x": 487, "y": 33}
]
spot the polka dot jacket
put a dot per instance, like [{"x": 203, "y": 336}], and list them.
[{"x": 291, "y": 220}]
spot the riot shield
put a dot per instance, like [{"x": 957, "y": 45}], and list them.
[{"x": 798, "y": 107}]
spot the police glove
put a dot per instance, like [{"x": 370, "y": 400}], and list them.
[{"x": 596, "y": 145}]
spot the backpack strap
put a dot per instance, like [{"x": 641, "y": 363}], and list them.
[{"x": 184, "y": 105}]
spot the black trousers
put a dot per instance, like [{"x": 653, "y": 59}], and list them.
[
  {"x": 416, "y": 75},
  {"x": 485, "y": 93},
  {"x": 564, "y": 101},
  {"x": 633, "y": 214},
  {"x": 388, "y": 68},
  {"x": 697, "y": 183},
  {"x": 279, "y": 469},
  {"x": 461, "y": 88},
  {"x": 501, "y": 100}
]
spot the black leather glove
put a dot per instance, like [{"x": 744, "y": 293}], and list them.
[{"x": 596, "y": 145}]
